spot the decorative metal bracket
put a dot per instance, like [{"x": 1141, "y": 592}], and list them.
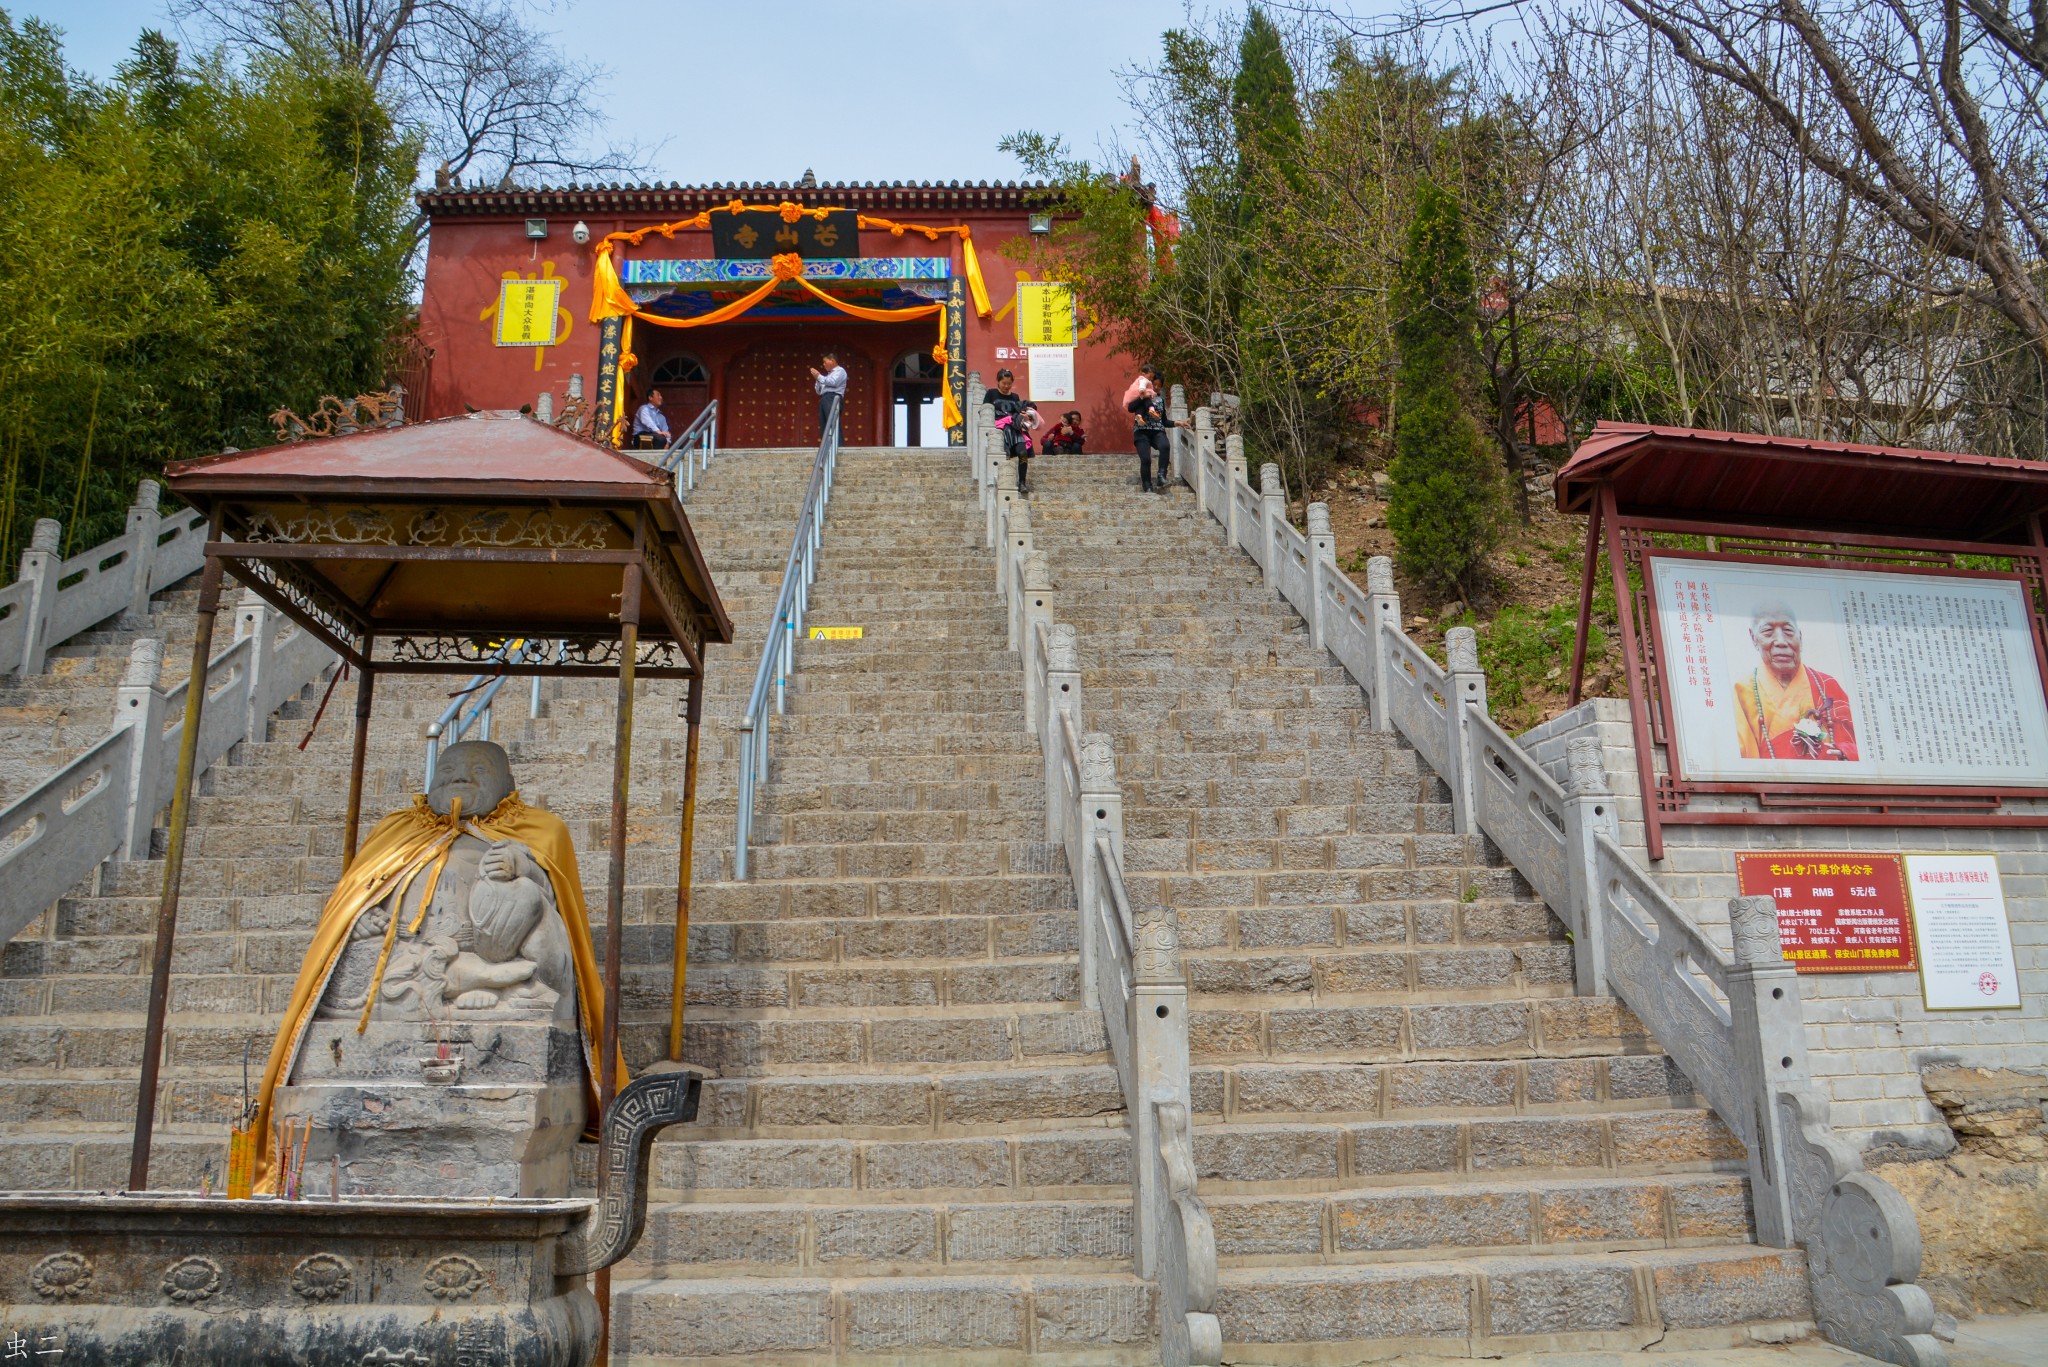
[{"x": 644, "y": 1109}]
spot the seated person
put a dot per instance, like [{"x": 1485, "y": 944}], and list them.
[
  {"x": 1066, "y": 435},
  {"x": 650, "y": 424}
]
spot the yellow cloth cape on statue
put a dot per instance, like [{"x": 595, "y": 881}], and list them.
[{"x": 414, "y": 843}]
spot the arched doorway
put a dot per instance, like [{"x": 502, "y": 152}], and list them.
[
  {"x": 769, "y": 399},
  {"x": 916, "y": 412},
  {"x": 685, "y": 387}
]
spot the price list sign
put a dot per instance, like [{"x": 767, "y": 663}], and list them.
[{"x": 1839, "y": 911}]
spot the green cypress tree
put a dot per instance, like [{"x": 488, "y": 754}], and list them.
[
  {"x": 1264, "y": 112},
  {"x": 1444, "y": 504}
]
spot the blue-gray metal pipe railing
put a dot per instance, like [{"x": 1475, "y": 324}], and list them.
[
  {"x": 689, "y": 453},
  {"x": 477, "y": 696},
  {"x": 778, "y": 651}
]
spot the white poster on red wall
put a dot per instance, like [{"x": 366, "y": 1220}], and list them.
[{"x": 1051, "y": 374}]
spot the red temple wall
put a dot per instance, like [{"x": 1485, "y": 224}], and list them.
[{"x": 467, "y": 257}]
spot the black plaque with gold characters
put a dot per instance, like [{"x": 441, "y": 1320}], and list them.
[{"x": 757, "y": 234}]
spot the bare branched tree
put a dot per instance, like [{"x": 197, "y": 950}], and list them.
[
  {"x": 1929, "y": 112},
  {"x": 493, "y": 96}
]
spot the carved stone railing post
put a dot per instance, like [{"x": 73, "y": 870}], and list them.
[
  {"x": 1322, "y": 560},
  {"x": 1468, "y": 695},
  {"x": 1770, "y": 1050},
  {"x": 1101, "y": 813},
  {"x": 1177, "y": 414},
  {"x": 1159, "y": 1052},
  {"x": 1034, "y": 606},
  {"x": 1590, "y": 815},
  {"x": 139, "y": 709},
  {"x": 39, "y": 570},
  {"x": 1205, "y": 447},
  {"x": 1385, "y": 606},
  {"x": 1233, "y": 455},
  {"x": 1004, "y": 473},
  {"x": 1016, "y": 544},
  {"x": 1272, "y": 512},
  {"x": 144, "y": 523},
  {"x": 259, "y": 619},
  {"x": 1062, "y": 695},
  {"x": 987, "y": 453}
]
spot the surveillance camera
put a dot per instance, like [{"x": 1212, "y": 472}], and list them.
[{"x": 580, "y": 233}]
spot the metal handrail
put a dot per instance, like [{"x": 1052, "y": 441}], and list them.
[
  {"x": 778, "y": 652},
  {"x": 701, "y": 440},
  {"x": 480, "y": 692}
]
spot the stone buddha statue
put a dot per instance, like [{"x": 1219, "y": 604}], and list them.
[
  {"x": 441, "y": 1035},
  {"x": 488, "y": 937}
]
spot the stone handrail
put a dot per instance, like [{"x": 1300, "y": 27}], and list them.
[
  {"x": 1733, "y": 1024},
  {"x": 104, "y": 803},
  {"x": 1131, "y": 969},
  {"x": 56, "y": 598}
]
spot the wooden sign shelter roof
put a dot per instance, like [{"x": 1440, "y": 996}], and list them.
[
  {"x": 443, "y": 538},
  {"x": 1740, "y": 478}
]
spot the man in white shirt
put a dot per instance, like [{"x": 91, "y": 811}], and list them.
[
  {"x": 651, "y": 421},
  {"x": 831, "y": 386}
]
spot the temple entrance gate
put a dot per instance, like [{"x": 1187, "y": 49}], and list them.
[{"x": 772, "y": 401}]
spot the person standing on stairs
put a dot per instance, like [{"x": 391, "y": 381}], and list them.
[
  {"x": 1009, "y": 407},
  {"x": 831, "y": 386},
  {"x": 1148, "y": 431}
]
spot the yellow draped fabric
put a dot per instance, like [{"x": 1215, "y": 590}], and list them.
[{"x": 406, "y": 845}]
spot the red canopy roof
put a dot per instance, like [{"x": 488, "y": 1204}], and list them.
[{"x": 1742, "y": 478}]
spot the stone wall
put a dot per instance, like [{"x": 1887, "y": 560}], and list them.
[{"x": 1867, "y": 1034}]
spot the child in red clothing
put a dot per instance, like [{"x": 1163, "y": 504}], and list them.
[{"x": 1066, "y": 436}]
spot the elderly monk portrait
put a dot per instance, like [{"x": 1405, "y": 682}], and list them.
[{"x": 1785, "y": 708}]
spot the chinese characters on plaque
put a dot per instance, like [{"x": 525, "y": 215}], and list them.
[
  {"x": 757, "y": 234},
  {"x": 1840, "y": 911},
  {"x": 1051, "y": 374},
  {"x": 526, "y": 312},
  {"x": 1045, "y": 314},
  {"x": 1857, "y": 911},
  {"x": 1782, "y": 673},
  {"x": 1966, "y": 958}
]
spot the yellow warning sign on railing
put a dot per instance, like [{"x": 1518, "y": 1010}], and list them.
[{"x": 835, "y": 633}]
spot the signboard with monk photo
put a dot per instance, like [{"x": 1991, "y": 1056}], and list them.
[{"x": 1782, "y": 673}]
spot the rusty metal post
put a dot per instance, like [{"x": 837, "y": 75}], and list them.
[
  {"x": 615, "y": 902},
  {"x": 359, "y": 750},
  {"x": 174, "y": 868},
  {"x": 1587, "y": 573},
  {"x": 694, "y": 715}
]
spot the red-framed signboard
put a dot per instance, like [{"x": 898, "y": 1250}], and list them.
[
  {"x": 1821, "y": 633},
  {"x": 1839, "y": 911}
]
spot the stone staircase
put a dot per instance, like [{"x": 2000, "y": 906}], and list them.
[
  {"x": 1409, "y": 1132},
  {"x": 916, "y": 1150},
  {"x": 1407, "y": 1129},
  {"x": 49, "y": 719},
  {"x": 265, "y": 851}
]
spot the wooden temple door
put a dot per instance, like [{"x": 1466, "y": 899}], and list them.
[{"x": 769, "y": 400}]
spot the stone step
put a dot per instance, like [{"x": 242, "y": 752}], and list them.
[
  {"x": 1544, "y": 1216},
  {"x": 1424, "y": 1083},
  {"x": 882, "y": 1106},
  {"x": 1103, "y": 1318},
  {"x": 1584, "y": 1302},
  {"x": 1001, "y": 1166},
  {"x": 768, "y": 1239}
]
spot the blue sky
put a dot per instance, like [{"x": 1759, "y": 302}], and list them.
[{"x": 872, "y": 90}]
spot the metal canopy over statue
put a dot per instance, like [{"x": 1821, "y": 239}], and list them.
[{"x": 451, "y": 1032}]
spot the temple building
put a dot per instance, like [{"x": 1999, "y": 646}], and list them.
[{"x": 733, "y": 292}]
